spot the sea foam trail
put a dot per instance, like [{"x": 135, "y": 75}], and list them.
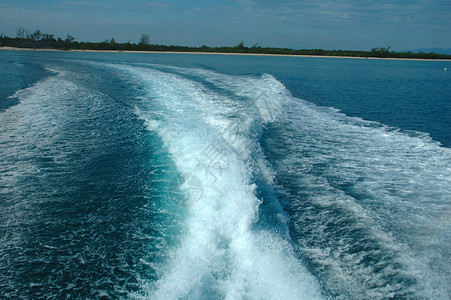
[
  {"x": 38, "y": 150},
  {"x": 73, "y": 223},
  {"x": 370, "y": 204},
  {"x": 32, "y": 125},
  {"x": 212, "y": 139}
]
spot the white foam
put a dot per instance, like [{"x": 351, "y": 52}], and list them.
[
  {"x": 35, "y": 130},
  {"x": 362, "y": 178},
  {"x": 221, "y": 255}
]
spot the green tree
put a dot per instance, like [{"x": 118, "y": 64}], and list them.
[
  {"x": 380, "y": 52},
  {"x": 22, "y": 33},
  {"x": 144, "y": 40},
  {"x": 48, "y": 37},
  {"x": 36, "y": 36},
  {"x": 240, "y": 45},
  {"x": 69, "y": 39}
]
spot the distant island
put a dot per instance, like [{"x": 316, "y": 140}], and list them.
[{"x": 39, "y": 40}]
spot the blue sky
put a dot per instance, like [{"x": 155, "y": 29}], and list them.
[{"x": 346, "y": 24}]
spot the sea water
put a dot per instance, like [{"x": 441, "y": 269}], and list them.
[{"x": 169, "y": 176}]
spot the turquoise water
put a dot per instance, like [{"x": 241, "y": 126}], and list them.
[{"x": 170, "y": 176}]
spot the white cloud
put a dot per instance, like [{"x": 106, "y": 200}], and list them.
[
  {"x": 159, "y": 5},
  {"x": 245, "y": 2}
]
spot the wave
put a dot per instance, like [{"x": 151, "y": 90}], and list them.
[
  {"x": 275, "y": 197},
  {"x": 369, "y": 203},
  {"x": 71, "y": 217},
  {"x": 213, "y": 140},
  {"x": 361, "y": 199}
]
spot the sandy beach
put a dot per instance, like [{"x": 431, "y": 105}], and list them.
[{"x": 6, "y": 48}]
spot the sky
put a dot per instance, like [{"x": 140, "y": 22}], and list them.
[{"x": 346, "y": 24}]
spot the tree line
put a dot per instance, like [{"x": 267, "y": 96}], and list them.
[{"x": 40, "y": 40}]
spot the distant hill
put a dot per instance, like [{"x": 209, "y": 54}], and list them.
[{"x": 435, "y": 50}]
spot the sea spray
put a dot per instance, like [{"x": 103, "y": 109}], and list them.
[{"x": 222, "y": 254}]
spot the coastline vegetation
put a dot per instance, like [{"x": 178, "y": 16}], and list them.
[{"x": 40, "y": 40}]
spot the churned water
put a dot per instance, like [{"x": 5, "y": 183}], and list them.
[{"x": 169, "y": 176}]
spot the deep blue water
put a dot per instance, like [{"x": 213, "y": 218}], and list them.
[{"x": 170, "y": 176}]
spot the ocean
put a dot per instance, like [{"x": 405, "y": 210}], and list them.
[{"x": 191, "y": 176}]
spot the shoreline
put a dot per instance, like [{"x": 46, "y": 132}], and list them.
[{"x": 7, "y": 48}]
